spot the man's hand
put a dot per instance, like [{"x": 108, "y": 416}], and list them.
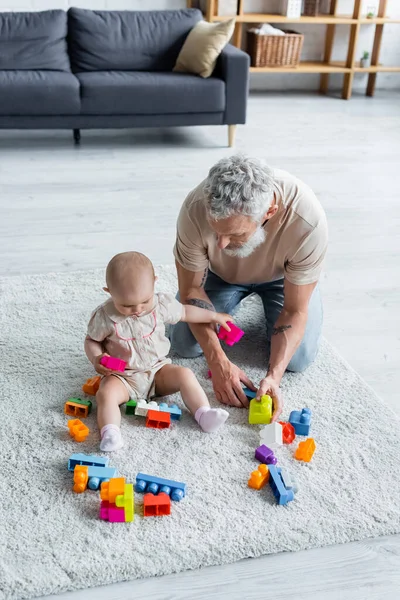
[
  {"x": 227, "y": 381},
  {"x": 270, "y": 387},
  {"x": 99, "y": 368}
]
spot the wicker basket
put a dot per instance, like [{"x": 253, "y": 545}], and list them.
[
  {"x": 275, "y": 50},
  {"x": 311, "y": 8}
]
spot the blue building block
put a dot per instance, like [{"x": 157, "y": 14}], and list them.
[
  {"x": 301, "y": 421},
  {"x": 249, "y": 393},
  {"x": 99, "y": 474},
  {"x": 147, "y": 483},
  {"x": 87, "y": 459},
  {"x": 173, "y": 410},
  {"x": 281, "y": 493}
]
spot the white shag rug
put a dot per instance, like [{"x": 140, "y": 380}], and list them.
[{"x": 52, "y": 539}]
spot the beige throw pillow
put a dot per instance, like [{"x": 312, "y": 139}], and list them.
[{"x": 202, "y": 47}]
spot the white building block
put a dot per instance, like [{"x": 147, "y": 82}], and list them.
[
  {"x": 143, "y": 407},
  {"x": 271, "y": 435}
]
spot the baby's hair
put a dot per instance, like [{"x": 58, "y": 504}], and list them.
[{"x": 125, "y": 265}]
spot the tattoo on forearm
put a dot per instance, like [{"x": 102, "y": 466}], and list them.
[
  {"x": 200, "y": 303},
  {"x": 203, "y": 281},
  {"x": 280, "y": 329}
]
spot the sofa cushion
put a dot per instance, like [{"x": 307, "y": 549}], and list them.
[
  {"x": 38, "y": 93},
  {"x": 128, "y": 40},
  {"x": 133, "y": 93},
  {"x": 34, "y": 40}
]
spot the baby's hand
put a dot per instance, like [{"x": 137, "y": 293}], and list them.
[
  {"x": 99, "y": 368},
  {"x": 222, "y": 319}
]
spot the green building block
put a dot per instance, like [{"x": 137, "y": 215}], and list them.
[
  {"x": 80, "y": 401},
  {"x": 130, "y": 407},
  {"x": 260, "y": 412}
]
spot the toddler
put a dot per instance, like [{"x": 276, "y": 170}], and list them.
[{"x": 130, "y": 325}]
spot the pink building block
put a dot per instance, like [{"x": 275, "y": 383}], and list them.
[
  {"x": 230, "y": 337},
  {"x": 115, "y": 364},
  {"x": 209, "y": 374},
  {"x": 110, "y": 512}
]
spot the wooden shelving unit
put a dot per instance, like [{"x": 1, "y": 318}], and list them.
[{"x": 326, "y": 67}]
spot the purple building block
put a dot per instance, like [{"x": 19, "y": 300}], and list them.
[
  {"x": 110, "y": 512},
  {"x": 115, "y": 364},
  {"x": 230, "y": 337},
  {"x": 265, "y": 455}
]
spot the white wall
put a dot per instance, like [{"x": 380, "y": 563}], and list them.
[{"x": 313, "y": 42}]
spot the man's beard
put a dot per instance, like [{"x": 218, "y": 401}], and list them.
[{"x": 258, "y": 238}]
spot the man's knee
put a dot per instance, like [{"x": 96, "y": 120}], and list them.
[
  {"x": 302, "y": 359},
  {"x": 183, "y": 342}
]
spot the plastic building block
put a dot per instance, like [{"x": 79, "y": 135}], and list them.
[
  {"x": 143, "y": 407},
  {"x": 75, "y": 407},
  {"x": 115, "y": 364},
  {"x": 305, "y": 450},
  {"x": 80, "y": 478},
  {"x": 260, "y": 411},
  {"x": 265, "y": 455},
  {"x": 209, "y": 374},
  {"x": 259, "y": 478},
  {"x": 155, "y": 485},
  {"x": 91, "y": 386},
  {"x": 78, "y": 430},
  {"x": 281, "y": 493},
  {"x": 173, "y": 410},
  {"x": 249, "y": 393},
  {"x": 110, "y": 512},
  {"x": 125, "y": 501},
  {"x": 156, "y": 506},
  {"x": 288, "y": 432},
  {"x": 109, "y": 490},
  {"x": 90, "y": 460},
  {"x": 157, "y": 419},
  {"x": 301, "y": 421},
  {"x": 289, "y": 481},
  {"x": 271, "y": 435},
  {"x": 97, "y": 475},
  {"x": 230, "y": 337},
  {"x": 130, "y": 407}
]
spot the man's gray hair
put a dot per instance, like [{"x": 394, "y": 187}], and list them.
[{"x": 239, "y": 185}]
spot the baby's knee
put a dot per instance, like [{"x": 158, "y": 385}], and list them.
[{"x": 187, "y": 375}]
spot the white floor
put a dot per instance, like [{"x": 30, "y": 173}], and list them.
[{"x": 70, "y": 208}]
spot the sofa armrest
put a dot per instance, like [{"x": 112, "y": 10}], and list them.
[{"x": 233, "y": 67}]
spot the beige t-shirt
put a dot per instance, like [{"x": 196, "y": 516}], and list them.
[
  {"x": 140, "y": 341},
  {"x": 295, "y": 245}
]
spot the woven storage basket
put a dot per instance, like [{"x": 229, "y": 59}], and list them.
[
  {"x": 275, "y": 50},
  {"x": 311, "y": 8}
]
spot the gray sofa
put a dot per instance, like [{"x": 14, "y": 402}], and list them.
[{"x": 86, "y": 69}]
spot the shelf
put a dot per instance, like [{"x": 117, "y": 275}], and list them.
[
  {"x": 304, "y": 67},
  {"x": 379, "y": 21},
  {"x": 376, "y": 69},
  {"x": 273, "y": 18}
]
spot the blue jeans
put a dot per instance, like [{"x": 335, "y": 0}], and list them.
[{"x": 226, "y": 297}]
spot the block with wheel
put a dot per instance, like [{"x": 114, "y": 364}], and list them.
[{"x": 155, "y": 485}]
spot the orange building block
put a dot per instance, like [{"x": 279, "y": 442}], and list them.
[
  {"x": 75, "y": 409},
  {"x": 91, "y": 386},
  {"x": 81, "y": 476},
  {"x": 78, "y": 430},
  {"x": 109, "y": 490},
  {"x": 259, "y": 478},
  {"x": 305, "y": 450},
  {"x": 158, "y": 419}
]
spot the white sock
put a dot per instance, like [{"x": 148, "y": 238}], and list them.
[
  {"x": 111, "y": 438},
  {"x": 210, "y": 419}
]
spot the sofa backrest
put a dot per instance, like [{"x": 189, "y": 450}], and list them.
[
  {"x": 127, "y": 40},
  {"x": 33, "y": 41}
]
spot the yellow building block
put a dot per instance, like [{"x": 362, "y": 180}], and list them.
[
  {"x": 78, "y": 430},
  {"x": 125, "y": 501},
  {"x": 260, "y": 411},
  {"x": 259, "y": 478}
]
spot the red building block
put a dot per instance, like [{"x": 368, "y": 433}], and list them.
[
  {"x": 288, "y": 432},
  {"x": 158, "y": 419},
  {"x": 156, "y": 506}
]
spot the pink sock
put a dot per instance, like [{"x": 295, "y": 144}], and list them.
[
  {"x": 111, "y": 438},
  {"x": 210, "y": 419}
]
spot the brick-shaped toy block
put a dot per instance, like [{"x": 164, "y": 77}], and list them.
[
  {"x": 209, "y": 374},
  {"x": 110, "y": 512},
  {"x": 130, "y": 407},
  {"x": 115, "y": 364},
  {"x": 230, "y": 337},
  {"x": 125, "y": 501},
  {"x": 78, "y": 430},
  {"x": 172, "y": 409},
  {"x": 305, "y": 450},
  {"x": 91, "y": 460},
  {"x": 156, "y": 506},
  {"x": 81, "y": 477},
  {"x": 301, "y": 421},
  {"x": 91, "y": 386},
  {"x": 97, "y": 475},
  {"x": 281, "y": 493},
  {"x": 259, "y": 478},
  {"x": 265, "y": 455},
  {"x": 288, "y": 480},
  {"x": 75, "y": 407},
  {"x": 288, "y": 432},
  {"x": 157, "y": 419},
  {"x": 155, "y": 485},
  {"x": 143, "y": 407},
  {"x": 109, "y": 490},
  {"x": 271, "y": 435},
  {"x": 249, "y": 393},
  {"x": 260, "y": 411}
]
